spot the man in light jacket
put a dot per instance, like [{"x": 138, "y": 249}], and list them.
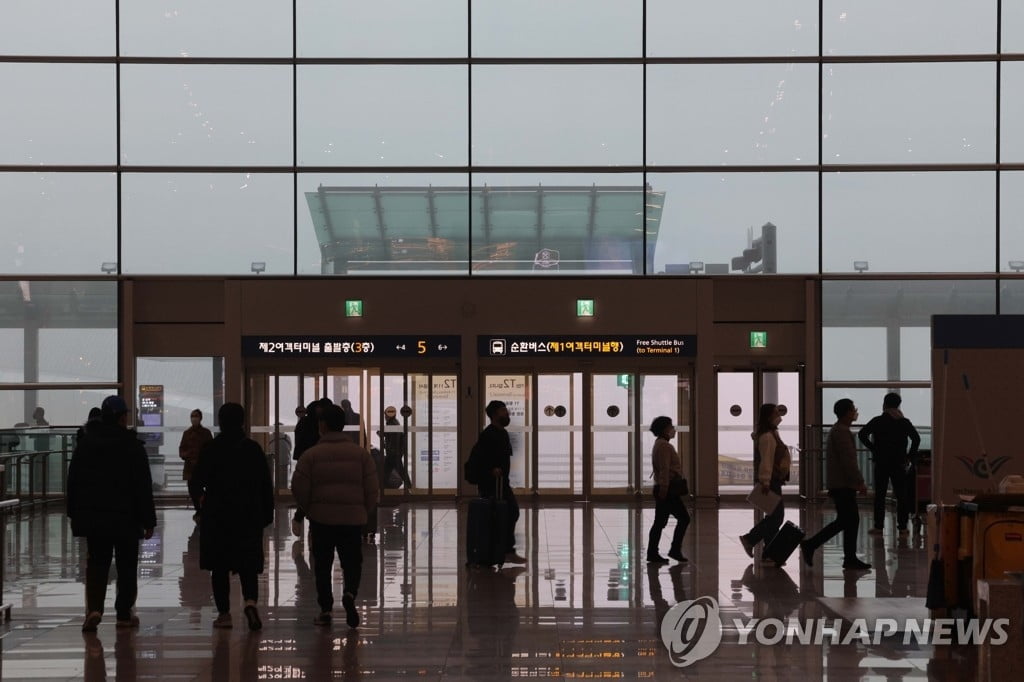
[
  {"x": 335, "y": 484},
  {"x": 844, "y": 483}
]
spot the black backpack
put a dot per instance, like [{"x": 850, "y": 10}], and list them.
[{"x": 471, "y": 468}]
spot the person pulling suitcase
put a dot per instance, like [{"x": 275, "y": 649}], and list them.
[{"x": 488, "y": 467}]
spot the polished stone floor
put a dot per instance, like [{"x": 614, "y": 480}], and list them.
[{"x": 585, "y": 606}]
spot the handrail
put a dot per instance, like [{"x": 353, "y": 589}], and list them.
[{"x": 5, "y": 606}]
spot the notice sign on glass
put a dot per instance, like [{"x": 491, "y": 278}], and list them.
[
  {"x": 370, "y": 346},
  {"x": 574, "y": 345}
]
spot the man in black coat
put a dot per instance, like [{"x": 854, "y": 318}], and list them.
[
  {"x": 886, "y": 436},
  {"x": 495, "y": 450},
  {"x": 110, "y": 504}
]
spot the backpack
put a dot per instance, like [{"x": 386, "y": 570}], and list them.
[{"x": 471, "y": 468}]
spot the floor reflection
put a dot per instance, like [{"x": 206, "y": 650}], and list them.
[{"x": 586, "y": 605}]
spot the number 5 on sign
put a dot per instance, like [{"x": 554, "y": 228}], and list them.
[{"x": 421, "y": 347}]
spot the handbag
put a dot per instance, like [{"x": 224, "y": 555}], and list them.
[{"x": 678, "y": 487}]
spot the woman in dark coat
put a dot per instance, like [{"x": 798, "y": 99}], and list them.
[{"x": 237, "y": 504}]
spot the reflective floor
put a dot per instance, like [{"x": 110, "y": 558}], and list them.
[{"x": 585, "y": 606}]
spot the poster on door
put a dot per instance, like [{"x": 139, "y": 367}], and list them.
[
  {"x": 511, "y": 389},
  {"x": 442, "y": 458}
]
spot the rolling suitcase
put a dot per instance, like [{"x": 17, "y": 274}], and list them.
[
  {"x": 486, "y": 528},
  {"x": 782, "y": 545}
]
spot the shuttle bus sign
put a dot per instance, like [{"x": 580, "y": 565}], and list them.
[{"x": 576, "y": 345}]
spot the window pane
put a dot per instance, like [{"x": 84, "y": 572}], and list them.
[
  {"x": 909, "y": 26},
  {"x": 748, "y": 28},
  {"x": 382, "y": 28},
  {"x": 1011, "y": 297},
  {"x": 57, "y": 27},
  {"x": 707, "y": 218},
  {"x": 58, "y": 223},
  {"x": 209, "y": 114},
  {"x": 869, "y": 327},
  {"x": 199, "y": 28},
  {"x": 567, "y": 28},
  {"x": 207, "y": 223},
  {"x": 388, "y": 224},
  {"x": 1011, "y": 134},
  {"x": 909, "y": 113},
  {"x": 76, "y": 324},
  {"x": 1013, "y": 27},
  {"x": 1011, "y": 221},
  {"x": 58, "y": 114},
  {"x": 916, "y": 406},
  {"x": 732, "y": 114},
  {"x": 908, "y": 222},
  {"x": 60, "y": 408},
  {"x": 402, "y": 115},
  {"x": 185, "y": 384},
  {"x": 570, "y": 115},
  {"x": 557, "y": 224}
]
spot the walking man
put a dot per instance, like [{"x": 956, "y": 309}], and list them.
[
  {"x": 844, "y": 482},
  {"x": 110, "y": 504},
  {"x": 495, "y": 450},
  {"x": 335, "y": 484},
  {"x": 886, "y": 436}
]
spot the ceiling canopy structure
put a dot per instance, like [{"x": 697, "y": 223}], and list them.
[{"x": 490, "y": 230}]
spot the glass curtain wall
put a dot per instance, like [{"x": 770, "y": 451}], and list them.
[{"x": 855, "y": 142}]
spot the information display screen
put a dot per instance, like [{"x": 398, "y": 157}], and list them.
[
  {"x": 370, "y": 346},
  {"x": 561, "y": 345}
]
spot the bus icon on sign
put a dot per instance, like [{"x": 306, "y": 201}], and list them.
[{"x": 497, "y": 346}]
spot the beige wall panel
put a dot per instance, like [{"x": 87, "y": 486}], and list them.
[
  {"x": 749, "y": 299},
  {"x": 976, "y": 437},
  {"x": 184, "y": 300},
  {"x": 179, "y": 340}
]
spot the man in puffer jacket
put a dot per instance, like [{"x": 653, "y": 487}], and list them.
[
  {"x": 110, "y": 504},
  {"x": 335, "y": 484}
]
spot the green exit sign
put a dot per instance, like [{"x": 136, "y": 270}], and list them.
[
  {"x": 353, "y": 308},
  {"x": 622, "y": 380},
  {"x": 758, "y": 339},
  {"x": 584, "y": 307}
]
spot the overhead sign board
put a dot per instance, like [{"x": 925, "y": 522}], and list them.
[
  {"x": 577, "y": 345},
  {"x": 354, "y": 347}
]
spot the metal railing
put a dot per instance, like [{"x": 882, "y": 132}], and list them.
[
  {"x": 814, "y": 469},
  {"x": 35, "y": 463}
]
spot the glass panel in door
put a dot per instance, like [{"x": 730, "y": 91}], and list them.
[
  {"x": 560, "y": 433},
  {"x": 514, "y": 391},
  {"x": 444, "y": 437},
  {"x": 660, "y": 396},
  {"x": 783, "y": 389},
  {"x": 736, "y": 416},
  {"x": 612, "y": 433},
  {"x": 393, "y": 394},
  {"x": 344, "y": 387}
]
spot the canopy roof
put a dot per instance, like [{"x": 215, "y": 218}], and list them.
[{"x": 495, "y": 229}]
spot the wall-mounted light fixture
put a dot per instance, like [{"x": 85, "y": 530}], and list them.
[{"x": 860, "y": 265}]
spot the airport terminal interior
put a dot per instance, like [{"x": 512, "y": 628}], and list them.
[{"x": 596, "y": 211}]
